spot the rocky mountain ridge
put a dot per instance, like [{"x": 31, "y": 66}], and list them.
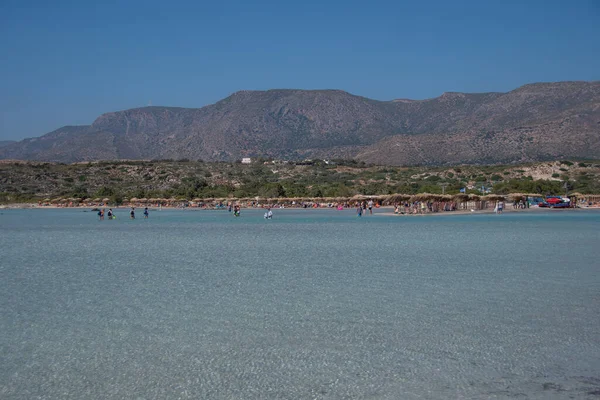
[{"x": 534, "y": 122}]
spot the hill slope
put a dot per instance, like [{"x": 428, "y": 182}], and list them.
[{"x": 534, "y": 122}]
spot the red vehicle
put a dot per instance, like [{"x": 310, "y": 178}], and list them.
[{"x": 555, "y": 202}]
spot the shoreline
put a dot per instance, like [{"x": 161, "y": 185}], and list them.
[
  {"x": 381, "y": 211},
  {"x": 490, "y": 211}
]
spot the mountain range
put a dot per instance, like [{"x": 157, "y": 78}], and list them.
[{"x": 535, "y": 122}]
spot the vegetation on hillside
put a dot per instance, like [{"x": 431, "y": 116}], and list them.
[{"x": 31, "y": 181}]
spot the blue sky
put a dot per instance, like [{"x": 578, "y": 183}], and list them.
[{"x": 66, "y": 62}]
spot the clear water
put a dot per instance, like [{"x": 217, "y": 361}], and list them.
[{"x": 314, "y": 304}]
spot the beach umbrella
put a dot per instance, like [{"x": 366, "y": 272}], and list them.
[
  {"x": 492, "y": 197},
  {"x": 397, "y": 197},
  {"x": 105, "y": 200},
  {"x": 516, "y": 196},
  {"x": 474, "y": 197},
  {"x": 134, "y": 199},
  {"x": 423, "y": 197},
  {"x": 46, "y": 200},
  {"x": 460, "y": 197},
  {"x": 97, "y": 199}
]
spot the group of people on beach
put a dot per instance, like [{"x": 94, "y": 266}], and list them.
[
  {"x": 111, "y": 214},
  {"x": 499, "y": 208},
  {"x": 269, "y": 214},
  {"x": 361, "y": 207}
]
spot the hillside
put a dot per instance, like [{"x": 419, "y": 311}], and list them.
[
  {"x": 26, "y": 181},
  {"x": 535, "y": 122}
]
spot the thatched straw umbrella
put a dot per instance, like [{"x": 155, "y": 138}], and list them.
[
  {"x": 516, "y": 196},
  {"x": 460, "y": 197},
  {"x": 423, "y": 197},
  {"x": 105, "y": 200},
  {"x": 493, "y": 197},
  {"x": 97, "y": 199},
  {"x": 397, "y": 197},
  {"x": 134, "y": 200}
]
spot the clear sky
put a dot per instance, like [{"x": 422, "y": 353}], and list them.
[{"x": 66, "y": 62}]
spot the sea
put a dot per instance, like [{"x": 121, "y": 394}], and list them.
[{"x": 313, "y": 304}]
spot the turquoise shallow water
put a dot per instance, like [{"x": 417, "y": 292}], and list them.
[{"x": 314, "y": 304}]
